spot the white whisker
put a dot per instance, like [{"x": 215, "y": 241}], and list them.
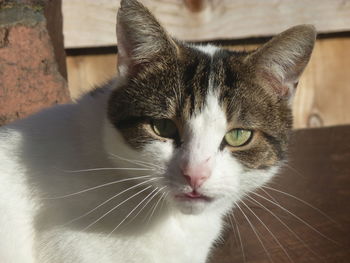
[
  {"x": 233, "y": 229},
  {"x": 149, "y": 200},
  {"x": 239, "y": 236},
  {"x": 127, "y": 216},
  {"x": 97, "y": 187},
  {"x": 106, "y": 201},
  {"x": 138, "y": 162},
  {"x": 107, "y": 169},
  {"x": 297, "y": 217},
  {"x": 255, "y": 232},
  {"x": 266, "y": 227},
  {"x": 154, "y": 208},
  {"x": 304, "y": 202},
  {"x": 114, "y": 208},
  {"x": 269, "y": 195},
  {"x": 294, "y": 170},
  {"x": 163, "y": 197},
  {"x": 285, "y": 225}
]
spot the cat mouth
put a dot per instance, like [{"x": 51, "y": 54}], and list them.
[{"x": 193, "y": 196}]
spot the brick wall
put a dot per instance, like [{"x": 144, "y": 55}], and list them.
[{"x": 30, "y": 77}]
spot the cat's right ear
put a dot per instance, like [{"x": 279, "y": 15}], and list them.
[
  {"x": 141, "y": 39},
  {"x": 279, "y": 63}
]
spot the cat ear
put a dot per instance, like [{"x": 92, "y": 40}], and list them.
[
  {"x": 279, "y": 63},
  {"x": 141, "y": 39}
]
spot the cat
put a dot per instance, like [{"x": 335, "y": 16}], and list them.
[{"x": 145, "y": 168}]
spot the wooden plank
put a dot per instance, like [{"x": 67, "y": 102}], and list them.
[
  {"x": 88, "y": 71},
  {"x": 322, "y": 97},
  {"x": 90, "y": 23},
  {"x": 54, "y": 21}
]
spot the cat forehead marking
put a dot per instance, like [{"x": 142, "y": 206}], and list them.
[
  {"x": 197, "y": 78},
  {"x": 206, "y": 129}
]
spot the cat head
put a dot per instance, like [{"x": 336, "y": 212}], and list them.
[{"x": 215, "y": 123}]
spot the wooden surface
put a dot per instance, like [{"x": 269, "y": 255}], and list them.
[
  {"x": 318, "y": 173},
  {"x": 322, "y": 97},
  {"x": 92, "y": 23},
  {"x": 54, "y": 23},
  {"x": 87, "y": 71}
]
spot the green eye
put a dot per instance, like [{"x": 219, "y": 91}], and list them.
[
  {"x": 238, "y": 137},
  {"x": 164, "y": 128}
]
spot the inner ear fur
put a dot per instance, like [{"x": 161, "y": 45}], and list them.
[
  {"x": 141, "y": 38},
  {"x": 279, "y": 63}
]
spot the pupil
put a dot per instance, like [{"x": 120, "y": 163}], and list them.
[{"x": 237, "y": 133}]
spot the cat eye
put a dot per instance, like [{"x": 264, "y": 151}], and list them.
[
  {"x": 164, "y": 128},
  {"x": 238, "y": 137}
]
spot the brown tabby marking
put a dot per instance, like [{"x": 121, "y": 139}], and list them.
[
  {"x": 165, "y": 78},
  {"x": 178, "y": 91}
]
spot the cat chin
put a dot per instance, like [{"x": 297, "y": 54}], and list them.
[
  {"x": 191, "y": 207},
  {"x": 196, "y": 207}
]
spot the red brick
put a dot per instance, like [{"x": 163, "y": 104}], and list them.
[{"x": 29, "y": 76}]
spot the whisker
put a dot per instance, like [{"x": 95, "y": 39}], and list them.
[
  {"x": 106, "y": 201},
  {"x": 107, "y": 169},
  {"x": 273, "y": 236},
  {"x": 294, "y": 170},
  {"x": 233, "y": 229},
  {"x": 304, "y": 202},
  {"x": 127, "y": 216},
  {"x": 285, "y": 225},
  {"x": 111, "y": 210},
  {"x": 297, "y": 217},
  {"x": 154, "y": 208},
  {"x": 239, "y": 236},
  {"x": 138, "y": 162},
  {"x": 177, "y": 99},
  {"x": 255, "y": 232},
  {"x": 269, "y": 195},
  {"x": 163, "y": 197},
  {"x": 149, "y": 200},
  {"x": 97, "y": 187}
]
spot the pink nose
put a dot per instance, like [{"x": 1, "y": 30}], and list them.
[{"x": 196, "y": 175}]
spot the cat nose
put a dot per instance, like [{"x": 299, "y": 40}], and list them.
[{"x": 196, "y": 175}]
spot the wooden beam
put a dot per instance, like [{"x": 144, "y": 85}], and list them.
[
  {"x": 90, "y": 23},
  {"x": 54, "y": 21},
  {"x": 323, "y": 95},
  {"x": 88, "y": 71}
]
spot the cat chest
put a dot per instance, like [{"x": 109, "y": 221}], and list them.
[{"x": 176, "y": 242}]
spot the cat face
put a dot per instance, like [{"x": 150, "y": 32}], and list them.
[
  {"x": 181, "y": 116},
  {"x": 214, "y": 122}
]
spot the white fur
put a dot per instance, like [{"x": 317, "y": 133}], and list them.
[
  {"x": 207, "y": 49},
  {"x": 39, "y": 154}
]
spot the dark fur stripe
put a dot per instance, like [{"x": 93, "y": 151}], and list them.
[{"x": 177, "y": 88}]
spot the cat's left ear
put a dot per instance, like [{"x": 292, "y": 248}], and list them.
[
  {"x": 141, "y": 39},
  {"x": 279, "y": 63}
]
